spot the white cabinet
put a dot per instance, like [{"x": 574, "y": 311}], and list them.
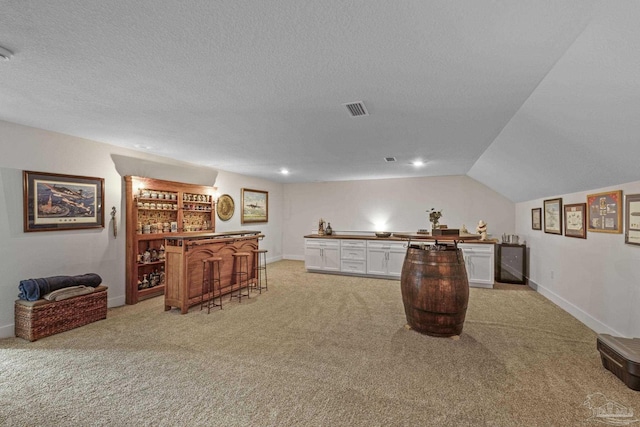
[
  {"x": 353, "y": 258},
  {"x": 322, "y": 254},
  {"x": 385, "y": 258},
  {"x": 479, "y": 262}
]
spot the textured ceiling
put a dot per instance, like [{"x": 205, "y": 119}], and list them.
[{"x": 532, "y": 98}]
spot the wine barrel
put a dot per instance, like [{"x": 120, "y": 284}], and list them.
[{"x": 435, "y": 290}]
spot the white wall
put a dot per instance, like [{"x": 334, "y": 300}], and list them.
[
  {"x": 391, "y": 205},
  {"x": 597, "y": 280},
  {"x": 232, "y": 184},
  {"x": 50, "y": 253}
]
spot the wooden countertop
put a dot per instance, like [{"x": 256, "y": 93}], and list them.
[
  {"x": 403, "y": 236},
  {"x": 205, "y": 235}
]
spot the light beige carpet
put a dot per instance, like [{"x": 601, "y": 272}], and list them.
[{"x": 314, "y": 350}]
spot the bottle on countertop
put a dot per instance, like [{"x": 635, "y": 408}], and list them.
[{"x": 328, "y": 231}]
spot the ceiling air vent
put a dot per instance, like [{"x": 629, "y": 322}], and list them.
[
  {"x": 356, "y": 109},
  {"x": 389, "y": 159}
]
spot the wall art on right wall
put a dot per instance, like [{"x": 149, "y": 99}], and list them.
[
  {"x": 605, "y": 212},
  {"x": 575, "y": 220},
  {"x": 553, "y": 216},
  {"x": 632, "y": 219}
]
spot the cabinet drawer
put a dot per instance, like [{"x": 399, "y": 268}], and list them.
[
  {"x": 322, "y": 242},
  {"x": 477, "y": 248},
  {"x": 350, "y": 253},
  {"x": 348, "y": 266},
  {"x": 354, "y": 243},
  {"x": 395, "y": 246}
]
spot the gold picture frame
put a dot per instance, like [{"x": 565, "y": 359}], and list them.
[
  {"x": 605, "y": 212},
  {"x": 255, "y": 206}
]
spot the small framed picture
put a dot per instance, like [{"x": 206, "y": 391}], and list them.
[
  {"x": 536, "y": 219},
  {"x": 605, "y": 212},
  {"x": 553, "y": 216},
  {"x": 575, "y": 220},
  {"x": 55, "y": 201},
  {"x": 632, "y": 223}
]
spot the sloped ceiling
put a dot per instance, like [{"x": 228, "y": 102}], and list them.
[{"x": 532, "y": 98}]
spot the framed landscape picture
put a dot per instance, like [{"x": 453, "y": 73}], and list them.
[
  {"x": 605, "y": 212},
  {"x": 62, "y": 202},
  {"x": 553, "y": 216},
  {"x": 575, "y": 220},
  {"x": 536, "y": 218},
  {"x": 255, "y": 206},
  {"x": 632, "y": 215}
]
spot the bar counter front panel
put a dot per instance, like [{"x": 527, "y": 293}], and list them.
[{"x": 184, "y": 264}]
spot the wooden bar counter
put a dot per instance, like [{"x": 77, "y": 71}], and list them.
[{"x": 184, "y": 254}]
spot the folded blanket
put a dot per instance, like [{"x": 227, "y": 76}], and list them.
[
  {"x": 65, "y": 293},
  {"x": 32, "y": 289}
]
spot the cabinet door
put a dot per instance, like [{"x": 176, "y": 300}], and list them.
[
  {"x": 331, "y": 257},
  {"x": 313, "y": 256},
  {"x": 479, "y": 262},
  {"x": 377, "y": 259},
  {"x": 396, "y": 260}
]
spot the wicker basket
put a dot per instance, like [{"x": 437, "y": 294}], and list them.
[{"x": 42, "y": 318}]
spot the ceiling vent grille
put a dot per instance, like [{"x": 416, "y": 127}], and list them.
[
  {"x": 389, "y": 159},
  {"x": 356, "y": 109}
]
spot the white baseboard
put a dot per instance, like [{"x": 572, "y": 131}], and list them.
[
  {"x": 8, "y": 331},
  {"x": 590, "y": 321},
  {"x": 293, "y": 257}
]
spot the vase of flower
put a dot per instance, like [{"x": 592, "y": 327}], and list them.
[{"x": 434, "y": 217}]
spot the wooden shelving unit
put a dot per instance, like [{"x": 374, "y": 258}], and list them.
[{"x": 156, "y": 209}]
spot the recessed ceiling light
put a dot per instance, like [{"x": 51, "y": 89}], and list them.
[
  {"x": 418, "y": 163},
  {"x": 284, "y": 171},
  {"x": 5, "y": 54},
  {"x": 142, "y": 147}
]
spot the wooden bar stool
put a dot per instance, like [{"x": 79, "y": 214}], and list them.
[
  {"x": 241, "y": 273},
  {"x": 211, "y": 276},
  {"x": 260, "y": 269}
]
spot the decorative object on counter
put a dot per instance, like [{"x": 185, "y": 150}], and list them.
[
  {"x": 328, "y": 231},
  {"x": 255, "y": 206},
  {"x": 463, "y": 229},
  {"x": 321, "y": 227},
  {"x": 383, "y": 234},
  {"x": 482, "y": 230},
  {"x": 605, "y": 212},
  {"x": 423, "y": 231},
  {"x": 225, "y": 207},
  {"x": 434, "y": 217},
  {"x": 510, "y": 238},
  {"x": 61, "y": 202},
  {"x": 445, "y": 231}
]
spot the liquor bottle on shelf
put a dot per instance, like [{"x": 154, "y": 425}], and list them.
[
  {"x": 145, "y": 282},
  {"x": 146, "y": 257}
]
